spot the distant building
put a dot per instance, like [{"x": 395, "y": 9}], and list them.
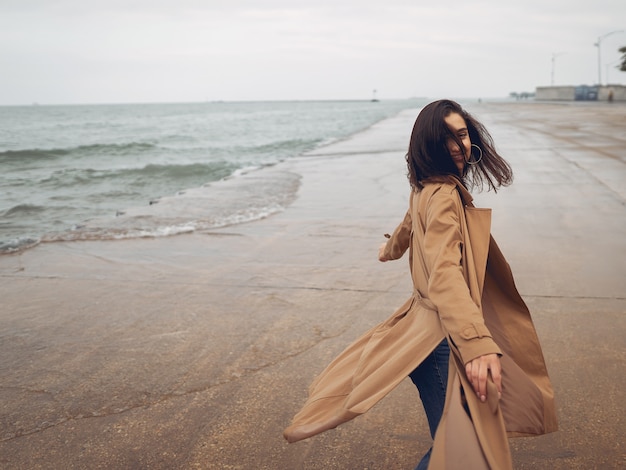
[{"x": 581, "y": 93}]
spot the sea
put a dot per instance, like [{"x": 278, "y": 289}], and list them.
[{"x": 89, "y": 172}]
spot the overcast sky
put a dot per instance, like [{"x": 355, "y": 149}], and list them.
[{"x": 112, "y": 51}]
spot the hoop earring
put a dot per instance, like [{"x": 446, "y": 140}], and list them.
[{"x": 470, "y": 162}]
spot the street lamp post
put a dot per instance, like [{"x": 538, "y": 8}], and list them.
[
  {"x": 554, "y": 56},
  {"x": 597, "y": 44}
]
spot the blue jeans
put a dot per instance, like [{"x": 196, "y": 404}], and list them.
[{"x": 431, "y": 378}]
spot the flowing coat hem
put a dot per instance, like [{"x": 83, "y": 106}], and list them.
[{"x": 373, "y": 365}]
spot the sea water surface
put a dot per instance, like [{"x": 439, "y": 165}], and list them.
[{"x": 135, "y": 170}]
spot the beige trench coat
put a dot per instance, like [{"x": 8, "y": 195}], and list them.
[{"x": 463, "y": 290}]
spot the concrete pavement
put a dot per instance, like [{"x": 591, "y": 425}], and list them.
[{"x": 195, "y": 351}]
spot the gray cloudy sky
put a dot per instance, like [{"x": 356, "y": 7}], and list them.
[{"x": 101, "y": 51}]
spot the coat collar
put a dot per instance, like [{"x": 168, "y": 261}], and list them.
[{"x": 466, "y": 197}]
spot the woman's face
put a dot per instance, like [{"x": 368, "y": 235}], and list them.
[{"x": 457, "y": 126}]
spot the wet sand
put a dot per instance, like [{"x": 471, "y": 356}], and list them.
[{"x": 195, "y": 351}]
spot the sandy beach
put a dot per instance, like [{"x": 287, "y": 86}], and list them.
[{"x": 195, "y": 351}]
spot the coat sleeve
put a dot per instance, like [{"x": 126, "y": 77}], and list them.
[
  {"x": 399, "y": 241},
  {"x": 447, "y": 288}
]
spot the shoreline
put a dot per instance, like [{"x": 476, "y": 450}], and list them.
[
  {"x": 186, "y": 207},
  {"x": 195, "y": 350},
  {"x": 86, "y": 229}
]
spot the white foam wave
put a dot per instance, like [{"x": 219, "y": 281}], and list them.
[{"x": 253, "y": 196}]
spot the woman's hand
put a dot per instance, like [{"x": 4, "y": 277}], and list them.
[
  {"x": 478, "y": 370},
  {"x": 381, "y": 253}
]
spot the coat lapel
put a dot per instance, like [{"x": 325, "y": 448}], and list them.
[
  {"x": 478, "y": 223},
  {"x": 478, "y": 228}
]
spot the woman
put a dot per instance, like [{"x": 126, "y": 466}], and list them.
[{"x": 465, "y": 337}]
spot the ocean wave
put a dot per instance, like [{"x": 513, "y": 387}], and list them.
[
  {"x": 219, "y": 169},
  {"x": 179, "y": 173},
  {"x": 93, "y": 162},
  {"x": 252, "y": 196},
  {"x": 19, "y": 156},
  {"x": 21, "y": 210},
  {"x": 288, "y": 145},
  {"x": 80, "y": 233},
  {"x": 148, "y": 227},
  {"x": 17, "y": 244}
]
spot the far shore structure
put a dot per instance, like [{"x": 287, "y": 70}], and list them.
[{"x": 581, "y": 93}]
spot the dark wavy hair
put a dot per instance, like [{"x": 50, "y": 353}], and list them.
[{"x": 429, "y": 159}]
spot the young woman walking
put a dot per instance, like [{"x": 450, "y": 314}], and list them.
[{"x": 465, "y": 336}]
